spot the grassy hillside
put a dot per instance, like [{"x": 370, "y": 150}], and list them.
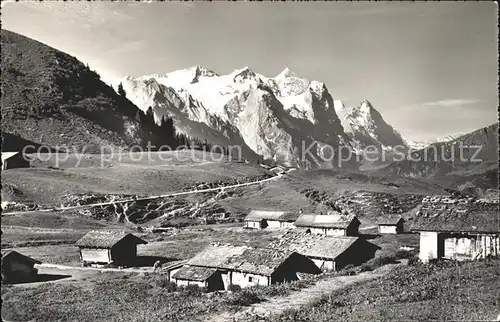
[
  {"x": 447, "y": 157},
  {"x": 369, "y": 196},
  {"x": 444, "y": 292},
  {"x": 84, "y": 179},
  {"x": 49, "y": 97},
  {"x": 124, "y": 174}
]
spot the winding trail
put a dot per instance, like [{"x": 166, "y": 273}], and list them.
[
  {"x": 277, "y": 305},
  {"x": 145, "y": 198}
]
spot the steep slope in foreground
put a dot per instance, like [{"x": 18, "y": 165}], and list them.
[
  {"x": 49, "y": 97},
  {"x": 471, "y": 159}
]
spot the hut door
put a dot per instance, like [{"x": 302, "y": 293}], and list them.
[{"x": 440, "y": 245}]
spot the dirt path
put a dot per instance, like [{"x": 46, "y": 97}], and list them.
[
  {"x": 65, "y": 267},
  {"x": 146, "y": 198},
  {"x": 277, "y": 305}
]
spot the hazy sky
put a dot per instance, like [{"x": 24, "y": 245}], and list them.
[{"x": 429, "y": 68}]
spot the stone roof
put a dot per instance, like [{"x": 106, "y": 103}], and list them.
[
  {"x": 106, "y": 238},
  {"x": 13, "y": 255},
  {"x": 312, "y": 245},
  {"x": 194, "y": 273},
  {"x": 335, "y": 220},
  {"x": 215, "y": 255},
  {"x": 462, "y": 217},
  {"x": 263, "y": 261},
  {"x": 258, "y": 215}
]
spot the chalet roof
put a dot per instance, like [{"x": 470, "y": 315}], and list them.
[
  {"x": 335, "y": 220},
  {"x": 312, "y": 245},
  {"x": 106, "y": 238},
  {"x": 8, "y": 155},
  {"x": 474, "y": 217},
  {"x": 173, "y": 265},
  {"x": 215, "y": 255},
  {"x": 257, "y": 215},
  {"x": 13, "y": 255},
  {"x": 390, "y": 221},
  {"x": 262, "y": 261},
  {"x": 194, "y": 273}
]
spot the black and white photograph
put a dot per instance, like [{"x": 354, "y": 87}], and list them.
[{"x": 244, "y": 161}]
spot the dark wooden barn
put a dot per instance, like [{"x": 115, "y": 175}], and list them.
[
  {"x": 11, "y": 160},
  {"x": 18, "y": 268},
  {"x": 329, "y": 253}
]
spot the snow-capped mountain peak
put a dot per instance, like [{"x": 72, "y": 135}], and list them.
[
  {"x": 243, "y": 74},
  {"x": 182, "y": 77},
  {"x": 317, "y": 88},
  {"x": 366, "y": 126},
  {"x": 366, "y": 106},
  {"x": 418, "y": 145},
  {"x": 285, "y": 74},
  {"x": 271, "y": 115}
]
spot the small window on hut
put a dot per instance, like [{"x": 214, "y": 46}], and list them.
[{"x": 250, "y": 279}]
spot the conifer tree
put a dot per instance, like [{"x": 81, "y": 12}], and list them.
[{"x": 121, "y": 91}]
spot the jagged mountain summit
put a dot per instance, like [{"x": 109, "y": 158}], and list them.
[{"x": 274, "y": 117}]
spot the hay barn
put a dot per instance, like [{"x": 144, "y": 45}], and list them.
[
  {"x": 461, "y": 229},
  {"x": 260, "y": 219},
  {"x": 243, "y": 266},
  {"x": 391, "y": 226},
  {"x": 12, "y": 160},
  {"x": 172, "y": 268},
  {"x": 329, "y": 253},
  {"x": 18, "y": 268},
  {"x": 207, "y": 277},
  {"x": 106, "y": 247},
  {"x": 334, "y": 224}
]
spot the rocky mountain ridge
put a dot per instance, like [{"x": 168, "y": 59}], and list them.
[{"x": 281, "y": 118}]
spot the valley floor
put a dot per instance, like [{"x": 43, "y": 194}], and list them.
[
  {"x": 68, "y": 293},
  {"x": 393, "y": 291}
]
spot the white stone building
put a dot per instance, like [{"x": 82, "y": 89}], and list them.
[{"x": 461, "y": 229}]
